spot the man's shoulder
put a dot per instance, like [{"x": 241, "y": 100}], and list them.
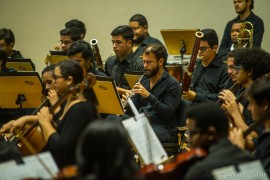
[{"x": 151, "y": 40}]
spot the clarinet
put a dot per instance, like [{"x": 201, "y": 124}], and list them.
[{"x": 124, "y": 103}]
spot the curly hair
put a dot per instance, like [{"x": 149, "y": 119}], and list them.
[{"x": 254, "y": 60}]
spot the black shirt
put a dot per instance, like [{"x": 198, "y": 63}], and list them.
[
  {"x": 208, "y": 81},
  {"x": 116, "y": 68},
  {"x": 162, "y": 104},
  {"x": 96, "y": 72},
  {"x": 147, "y": 41},
  {"x": 220, "y": 154},
  {"x": 262, "y": 151}
]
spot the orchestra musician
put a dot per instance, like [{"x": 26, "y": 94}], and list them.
[
  {"x": 81, "y": 51},
  {"x": 259, "y": 102},
  {"x": 103, "y": 152},
  {"x": 68, "y": 36},
  {"x": 210, "y": 74},
  {"x": 208, "y": 129},
  {"x": 123, "y": 60},
  {"x": 142, "y": 38},
  {"x": 252, "y": 64},
  {"x": 7, "y": 42},
  {"x": 75, "y": 113},
  {"x": 244, "y": 10},
  {"x": 158, "y": 95}
]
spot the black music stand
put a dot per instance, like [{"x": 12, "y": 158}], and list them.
[
  {"x": 107, "y": 96},
  {"x": 57, "y": 56},
  {"x": 132, "y": 77},
  {"x": 175, "y": 39},
  {"x": 20, "y": 89},
  {"x": 22, "y": 64}
]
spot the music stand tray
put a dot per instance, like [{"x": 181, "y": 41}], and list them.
[
  {"x": 20, "y": 64},
  {"x": 173, "y": 38},
  {"x": 57, "y": 56},
  {"x": 132, "y": 77},
  {"x": 20, "y": 87},
  {"x": 108, "y": 99}
]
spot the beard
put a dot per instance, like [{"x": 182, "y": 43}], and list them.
[
  {"x": 138, "y": 40},
  {"x": 152, "y": 73}
]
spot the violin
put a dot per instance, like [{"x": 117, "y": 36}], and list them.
[{"x": 173, "y": 169}]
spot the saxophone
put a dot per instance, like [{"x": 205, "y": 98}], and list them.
[{"x": 125, "y": 102}]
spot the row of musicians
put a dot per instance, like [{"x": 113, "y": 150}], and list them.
[{"x": 159, "y": 93}]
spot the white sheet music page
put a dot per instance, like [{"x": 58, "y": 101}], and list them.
[
  {"x": 30, "y": 169},
  {"x": 145, "y": 140},
  {"x": 247, "y": 171}
]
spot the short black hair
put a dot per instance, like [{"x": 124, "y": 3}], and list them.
[
  {"x": 210, "y": 36},
  {"x": 124, "y": 31},
  {"x": 83, "y": 47},
  {"x": 7, "y": 35},
  {"x": 208, "y": 114},
  {"x": 73, "y": 32},
  {"x": 254, "y": 60},
  {"x": 78, "y": 24},
  {"x": 140, "y": 19}
]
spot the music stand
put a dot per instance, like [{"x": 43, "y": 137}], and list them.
[
  {"x": 107, "y": 96},
  {"x": 132, "y": 77},
  {"x": 20, "y": 89},
  {"x": 57, "y": 56},
  {"x": 23, "y": 64},
  {"x": 173, "y": 40}
]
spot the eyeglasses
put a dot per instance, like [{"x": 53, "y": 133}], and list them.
[
  {"x": 203, "y": 49},
  {"x": 55, "y": 77},
  {"x": 65, "y": 42},
  {"x": 234, "y": 68}
]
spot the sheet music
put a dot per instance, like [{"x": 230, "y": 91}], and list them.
[
  {"x": 247, "y": 171},
  {"x": 31, "y": 168},
  {"x": 145, "y": 140}
]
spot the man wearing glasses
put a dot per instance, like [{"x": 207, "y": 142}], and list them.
[
  {"x": 210, "y": 74},
  {"x": 68, "y": 36}
]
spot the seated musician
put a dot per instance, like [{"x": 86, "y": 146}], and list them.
[
  {"x": 7, "y": 42},
  {"x": 76, "y": 112},
  {"x": 252, "y": 64},
  {"x": 210, "y": 74},
  {"x": 158, "y": 95},
  {"x": 123, "y": 60},
  {"x": 142, "y": 38},
  {"x": 81, "y": 51},
  {"x": 104, "y": 152},
  {"x": 259, "y": 105},
  {"x": 208, "y": 129}
]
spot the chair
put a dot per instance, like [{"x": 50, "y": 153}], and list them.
[{"x": 175, "y": 148}]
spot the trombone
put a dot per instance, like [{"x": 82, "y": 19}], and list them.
[{"x": 245, "y": 35}]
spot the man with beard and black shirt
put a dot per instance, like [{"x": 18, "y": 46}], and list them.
[
  {"x": 158, "y": 95},
  {"x": 141, "y": 37}
]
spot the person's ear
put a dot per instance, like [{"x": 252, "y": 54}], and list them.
[
  {"x": 129, "y": 43},
  {"x": 69, "y": 81},
  {"x": 145, "y": 28},
  {"x": 161, "y": 61},
  {"x": 215, "y": 47}
]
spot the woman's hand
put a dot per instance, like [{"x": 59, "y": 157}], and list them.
[
  {"x": 52, "y": 97},
  {"x": 44, "y": 116}
]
